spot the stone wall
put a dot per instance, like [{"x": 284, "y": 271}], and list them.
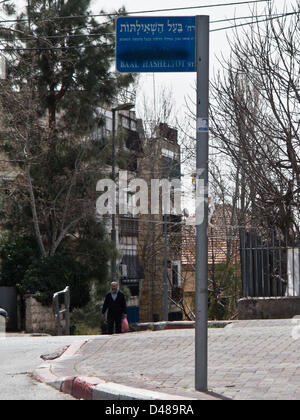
[
  {"x": 39, "y": 318},
  {"x": 268, "y": 308}
]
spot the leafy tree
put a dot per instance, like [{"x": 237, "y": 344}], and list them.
[
  {"x": 21, "y": 266},
  {"x": 16, "y": 255},
  {"x": 67, "y": 59},
  {"x": 48, "y": 275}
]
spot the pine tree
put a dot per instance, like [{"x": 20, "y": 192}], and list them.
[{"x": 69, "y": 59}]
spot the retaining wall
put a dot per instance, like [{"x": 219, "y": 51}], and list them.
[
  {"x": 268, "y": 308},
  {"x": 39, "y": 318}
]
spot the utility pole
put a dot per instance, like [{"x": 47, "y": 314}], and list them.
[
  {"x": 29, "y": 14},
  {"x": 113, "y": 216},
  {"x": 123, "y": 107},
  {"x": 201, "y": 297},
  {"x": 165, "y": 282}
]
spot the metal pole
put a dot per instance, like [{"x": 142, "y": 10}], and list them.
[
  {"x": 57, "y": 314},
  {"x": 67, "y": 308},
  {"x": 165, "y": 284},
  {"x": 201, "y": 298},
  {"x": 123, "y": 107},
  {"x": 113, "y": 230}
]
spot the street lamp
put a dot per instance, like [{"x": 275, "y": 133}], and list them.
[{"x": 123, "y": 107}]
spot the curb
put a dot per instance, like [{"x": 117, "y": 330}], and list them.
[
  {"x": 176, "y": 325},
  {"x": 89, "y": 388}
]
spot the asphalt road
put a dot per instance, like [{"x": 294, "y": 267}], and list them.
[{"x": 19, "y": 357}]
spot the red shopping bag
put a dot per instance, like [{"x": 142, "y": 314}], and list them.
[{"x": 125, "y": 326}]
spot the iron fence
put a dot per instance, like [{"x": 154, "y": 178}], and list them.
[{"x": 270, "y": 263}]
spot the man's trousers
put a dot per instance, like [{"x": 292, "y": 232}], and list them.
[{"x": 114, "y": 323}]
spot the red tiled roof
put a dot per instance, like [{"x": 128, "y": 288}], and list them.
[{"x": 218, "y": 239}]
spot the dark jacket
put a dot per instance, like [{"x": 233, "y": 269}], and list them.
[{"x": 115, "y": 307}]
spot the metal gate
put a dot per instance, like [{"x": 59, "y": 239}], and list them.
[
  {"x": 59, "y": 313},
  {"x": 270, "y": 264}
]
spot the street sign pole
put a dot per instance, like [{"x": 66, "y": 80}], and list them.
[
  {"x": 201, "y": 298},
  {"x": 167, "y": 44}
]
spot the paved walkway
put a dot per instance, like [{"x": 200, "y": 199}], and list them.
[{"x": 247, "y": 360}]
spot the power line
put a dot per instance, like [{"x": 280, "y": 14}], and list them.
[
  {"x": 30, "y": 37},
  {"x": 254, "y": 22},
  {"x": 98, "y": 46},
  {"x": 142, "y": 12},
  {"x": 49, "y": 48},
  {"x": 201, "y": 7},
  {"x": 103, "y": 34},
  {"x": 243, "y": 17},
  {"x": 272, "y": 17}
]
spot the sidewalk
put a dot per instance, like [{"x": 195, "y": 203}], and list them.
[{"x": 247, "y": 360}]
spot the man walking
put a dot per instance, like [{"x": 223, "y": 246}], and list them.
[{"x": 115, "y": 304}]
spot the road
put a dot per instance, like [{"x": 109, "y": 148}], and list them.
[{"x": 19, "y": 357}]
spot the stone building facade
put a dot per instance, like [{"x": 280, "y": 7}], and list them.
[{"x": 161, "y": 160}]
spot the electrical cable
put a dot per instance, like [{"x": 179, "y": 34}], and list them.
[
  {"x": 144, "y": 11},
  {"x": 254, "y": 22},
  {"x": 98, "y": 46},
  {"x": 113, "y": 34}
]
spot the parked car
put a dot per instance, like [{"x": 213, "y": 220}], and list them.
[{"x": 4, "y": 314}]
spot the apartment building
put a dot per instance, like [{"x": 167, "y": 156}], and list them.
[
  {"x": 141, "y": 238},
  {"x": 160, "y": 234}
]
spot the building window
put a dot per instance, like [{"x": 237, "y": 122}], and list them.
[
  {"x": 128, "y": 227},
  {"x": 176, "y": 274}
]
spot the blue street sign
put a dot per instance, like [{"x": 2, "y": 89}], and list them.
[{"x": 155, "y": 44}]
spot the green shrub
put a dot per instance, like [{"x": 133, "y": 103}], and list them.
[
  {"x": 46, "y": 276},
  {"x": 22, "y": 267},
  {"x": 16, "y": 254},
  {"x": 225, "y": 285},
  {"x": 87, "y": 320}
]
